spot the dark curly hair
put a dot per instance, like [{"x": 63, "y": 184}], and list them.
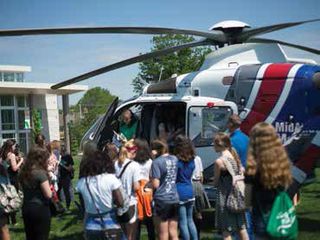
[
  {"x": 40, "y": 140},
  {"x": 143, "y": 153},
  {"x": 6, "y": 148},
  {"x": 96, "y": 163},
  {"x": 183, "y": 148},
  {"x": 37, "y": 159}
]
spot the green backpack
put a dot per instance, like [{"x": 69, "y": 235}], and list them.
[{"x": 282, "y": 222}]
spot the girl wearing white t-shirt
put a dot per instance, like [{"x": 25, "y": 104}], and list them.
[
  {"x": 130, "y": 181},
  {"x": 100, "y": 189}
]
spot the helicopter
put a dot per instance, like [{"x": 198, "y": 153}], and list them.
[{"x": 246, "y": 75}]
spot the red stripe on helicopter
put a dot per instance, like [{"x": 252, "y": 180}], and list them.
[
  {"x": 273, "y": 81},
  {"x": 307, "y": 161}
]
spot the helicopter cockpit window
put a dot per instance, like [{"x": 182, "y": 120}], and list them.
[{"x": 205, "y": 123}]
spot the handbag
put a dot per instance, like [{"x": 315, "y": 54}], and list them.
[
  {"x": 112, "y": 233},
  {"x": 11, "y": 199},
  {"x": 236, "y": 198}
]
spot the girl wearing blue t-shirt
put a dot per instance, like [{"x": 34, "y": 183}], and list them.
[{"x": 185, "y": 152}]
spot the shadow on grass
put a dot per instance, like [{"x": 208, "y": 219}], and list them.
[
  {"x": 305, "y": 213},
  {"x": 73, "y": 221},
  {"x": 71, "y": 236},
  {"x": 308, "y": 225},
  {"x": 17, "y": 229}
]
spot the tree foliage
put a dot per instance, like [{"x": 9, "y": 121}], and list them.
[
  {"x": 183, "y": 61},
  {"x": 36, "y": 123},
  {"x": 93, "y": 104}
]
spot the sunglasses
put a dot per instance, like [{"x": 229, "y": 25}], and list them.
[{"x": 132, "y": 149}]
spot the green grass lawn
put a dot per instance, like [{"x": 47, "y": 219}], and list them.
[{"x": 69, "y": 225}]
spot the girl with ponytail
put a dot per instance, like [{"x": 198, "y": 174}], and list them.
[{"x": 227, "y": 222}]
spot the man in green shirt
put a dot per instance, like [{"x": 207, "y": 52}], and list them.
[{"x": 128, "y": 125}]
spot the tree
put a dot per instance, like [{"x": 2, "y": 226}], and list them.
[
  {"x": 184, "y": 61},
  {"x": 36, "y": 122},
  {"x": 92, "y": 105}
]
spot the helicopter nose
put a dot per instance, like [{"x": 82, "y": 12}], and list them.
[{"x": 316, "y": 79}]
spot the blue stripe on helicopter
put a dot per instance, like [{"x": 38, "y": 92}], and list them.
[{"x": 303, "y": 101}]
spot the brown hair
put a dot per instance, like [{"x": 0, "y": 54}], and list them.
[
  {"x": 112, "y": 150},
  {"x": 97, "y": 163},
  {"x": 37, "y": 159},
  {"x": 160, "y": 147},
  {"x": 268, "y": 157},
  {"x": 183, "y": 148},
  {"x": 55, "y": 145},
  {"x": 222, "y": 141},
  {"x": 49, "y": 147},
  {"x": 235, "y": 120},
  {"x": 40, "y": 140},
  {"x": 7, "y": 147},
  {"x": 143, "y": 153}
]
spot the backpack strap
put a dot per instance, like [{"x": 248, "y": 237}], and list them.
[
  {"x": 97, "y": 209},
  {"x": 124, "y": 169}
]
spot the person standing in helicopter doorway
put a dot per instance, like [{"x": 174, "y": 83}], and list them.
[
  {"x": 240, "y": 142},
  {"x": 128, "y": 125}
]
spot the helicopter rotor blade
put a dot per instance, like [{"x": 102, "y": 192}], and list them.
[
  {"x": 246, "y": 34},
  {"x": 264, "y": 40},
  {"x": 130, "y": 61},
  {"x": 213, "y": 35}
]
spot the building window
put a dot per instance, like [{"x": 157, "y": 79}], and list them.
[
  {"x": 6, "y": 136},
  {"x": 8, "y": 77},
  {"x": 1, "y": 74},
  {"x": 19, "y": 77},
  {"x": 21, "y": 101},
  {"x": 7, "y": 119},
  {"x": 23, "y": 142},
  {"x": 21, "y": 119},
  {"x": 6, "y": 100}
]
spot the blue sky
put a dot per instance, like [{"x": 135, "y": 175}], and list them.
[{"x": 57, "y": 58}]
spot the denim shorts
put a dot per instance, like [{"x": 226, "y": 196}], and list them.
[{"x": 165, "y": 210}]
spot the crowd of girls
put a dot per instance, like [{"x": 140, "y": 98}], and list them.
[{"x": 151, "y": 185}]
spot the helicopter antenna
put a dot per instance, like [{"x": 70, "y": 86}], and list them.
[{"x": 160, "y": 74}]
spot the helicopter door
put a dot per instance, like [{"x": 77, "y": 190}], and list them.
[
  {"x": 204, "y": 123},
  {"x": 104, "y": 131}
]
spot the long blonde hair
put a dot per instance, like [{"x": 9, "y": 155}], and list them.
[
  {"x": 222, "y": 140},
  {"x": 268, "y": 157},
  {"x": 123, "y": 153}
]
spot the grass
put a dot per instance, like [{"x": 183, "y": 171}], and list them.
[{"x": 69, "y": 226}]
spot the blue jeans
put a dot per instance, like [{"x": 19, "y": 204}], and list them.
[
  {"x": 186, "y": 225},
  {"x": 249, "y": 225}
]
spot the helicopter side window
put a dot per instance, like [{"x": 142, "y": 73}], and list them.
[
  {"x": 205, "y": 123},
  {"x": 162, "y": 120}
]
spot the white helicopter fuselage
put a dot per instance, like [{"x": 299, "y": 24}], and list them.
[{"x": 231, "y": 80}]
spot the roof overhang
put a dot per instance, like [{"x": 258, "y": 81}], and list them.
[
  {"x": 38, "y": 88},
  {"x": 12, "y": 68}
]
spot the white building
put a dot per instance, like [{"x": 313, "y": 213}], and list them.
[{"x": 19, "y": 100}]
